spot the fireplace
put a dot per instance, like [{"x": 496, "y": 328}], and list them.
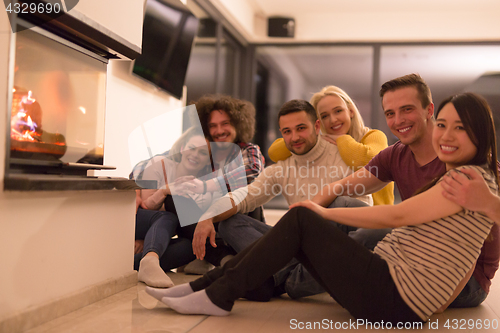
[
  {"x": 58, "y": 103},
  {"x": 57, "y": 100}
]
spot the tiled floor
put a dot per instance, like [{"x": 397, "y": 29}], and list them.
[{"x": 134, "y": 311}]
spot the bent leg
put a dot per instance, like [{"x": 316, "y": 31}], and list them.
[
  {"x": 295, "y": 280},
  {"x": 213, "y": 255},
  {"x": 239, "y": 231},
  {"x": 161, "y": 231},
  {"x": 357, "y": 278},
  {"x": 179, "y": 253}
]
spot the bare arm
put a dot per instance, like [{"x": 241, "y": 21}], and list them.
[
  {"x": 153, "y": 199},
  {"x": 346, "y": 186},
  {"x": 472, "y": 193},
  {"x": 427, "y": 206}
]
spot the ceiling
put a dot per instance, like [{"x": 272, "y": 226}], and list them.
[
  {"x": 447, "y": 68},
  {"x": 297, "y": 7}
]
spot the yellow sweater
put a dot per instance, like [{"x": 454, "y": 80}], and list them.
[{"x": 354, "y": 154}]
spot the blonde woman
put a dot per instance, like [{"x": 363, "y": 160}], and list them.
[{"x": 342, "y": 125}]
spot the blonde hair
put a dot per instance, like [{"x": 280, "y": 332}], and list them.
[{"x": 358, "y": 128}]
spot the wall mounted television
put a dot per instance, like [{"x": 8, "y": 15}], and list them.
[{"x": 168, "y": 35}]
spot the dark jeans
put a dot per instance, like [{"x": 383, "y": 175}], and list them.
[
  {"x": 212, "y": 255},
  {"x": 157, "y": 228},
  {"x": 355, "y": 277},
  {"x": 239, "y": 231},
  {"x": 178, "y": 253}
]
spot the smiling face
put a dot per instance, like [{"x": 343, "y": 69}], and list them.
[
  {"x": 221, "y": 129},
  {"x": 334, "y": 114},
  {"x": 299, "y": 132},
  {"x": 450, "y": 140},
  {"x": 408, "y": 120},
  {"x": 195, "y": 154}
]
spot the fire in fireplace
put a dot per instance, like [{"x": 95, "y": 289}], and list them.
[
  {"x": 27, "y": 135},
  {"x": 58, "y": 102}
]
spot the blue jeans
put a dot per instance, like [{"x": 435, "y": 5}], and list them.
[
  {"x": 240, "y": 230},
  {"x": 157, "y": 228},
  {"x": 471, "y": 296}
]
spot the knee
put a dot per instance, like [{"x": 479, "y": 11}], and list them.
[
  {"x": 339, "y": 202},
  {"x": 226, "y": 227},
  {"x": 234, "y": 221},
  {"x": 303, "y": 212},
  {"x": 299, "y": 215}
]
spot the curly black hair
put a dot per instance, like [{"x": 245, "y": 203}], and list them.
[{"x": 241, "y": 113}]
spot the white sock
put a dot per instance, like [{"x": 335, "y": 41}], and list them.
[
  {"x": 177, "y": 291},
  {"x": 195, "y": 303},
  {"x": 151, "y": 273}
]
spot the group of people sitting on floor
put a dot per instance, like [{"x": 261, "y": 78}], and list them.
[{"x": 438, "y": 248}]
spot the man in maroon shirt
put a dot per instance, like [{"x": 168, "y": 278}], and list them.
[{"x": 412, "y": 163}]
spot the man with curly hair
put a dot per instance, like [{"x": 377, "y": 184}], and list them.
[{"x": 230, "y": 124}]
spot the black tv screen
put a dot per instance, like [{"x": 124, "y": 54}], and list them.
[{"x": 167, "y": 39}]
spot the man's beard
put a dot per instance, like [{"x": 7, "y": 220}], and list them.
[{"x": 223, "y": 145}]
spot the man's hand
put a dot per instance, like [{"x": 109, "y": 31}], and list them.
[
  {"x": 321, "y": 211},
  {"x": 204, "y": 229}
]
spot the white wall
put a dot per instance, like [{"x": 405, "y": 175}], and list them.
[
  {"x": 240, "y": 13},
  {"x": 53, "y": 244},
  {"x": 121, "y": 17},
  {"x": 450, "y": 25},
  {"x": 367, "y": 20},
  {"x": 130, "y": 103}
]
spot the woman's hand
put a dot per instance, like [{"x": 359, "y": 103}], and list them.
[
  {"x": 196, "y": 186},
  {"x": 331, "y": 138},
  {"x": 188, "y": 185},
  {"x": 139, "y": 245},
  {"x": 321, "y": 211},
  {"x": 180, "y": 188}
]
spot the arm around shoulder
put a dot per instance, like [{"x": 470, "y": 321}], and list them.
[
  {"x": 424, "y": 207},
  {"x": 278, "y": 151},
  {"x": 357, "y": 154},
  {"x": 347, "y": 185}
]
